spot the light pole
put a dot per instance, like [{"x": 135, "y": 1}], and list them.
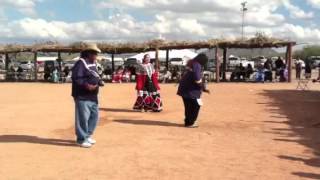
[{"x": 244, "y": 9}]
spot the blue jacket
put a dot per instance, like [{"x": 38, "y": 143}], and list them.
[
  {"x": 81, "y": 77},
  {"x": 188, "y": 88}
]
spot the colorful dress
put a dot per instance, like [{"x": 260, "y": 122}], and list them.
[
  {"x": 147, "y": 88},
  {"x": 117, "y": 76}
]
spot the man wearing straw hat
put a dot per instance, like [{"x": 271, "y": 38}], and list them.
[{"x": 85, "y": 88}]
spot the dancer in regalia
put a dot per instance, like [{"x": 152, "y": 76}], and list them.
[{"x": 147, "y": 87}]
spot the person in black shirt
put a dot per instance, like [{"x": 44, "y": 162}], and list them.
[
  {"x": 268, "y": 70},
  {"x": 279, "y": 65},
  {"x": 190, "y": 89},
  {"x": 308, "y": 69}
]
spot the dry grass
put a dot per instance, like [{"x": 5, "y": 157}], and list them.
[{"x": 259, "y": 41}]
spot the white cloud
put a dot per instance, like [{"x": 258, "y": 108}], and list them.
[
  {"x": 304, "y": 34},
  {"x": 171, "y": 19},
  {"x": 126, "y": 28},
  {"x": 314, "y": 3},
  {"x": 296, "y": 12}
]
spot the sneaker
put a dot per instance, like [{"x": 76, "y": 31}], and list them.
[
  {"x": 192, "y": 126},
  {"x": 86, "y": 144},
  {"x": 91, "y": 141},
  {"x": 195, "y": 125}
]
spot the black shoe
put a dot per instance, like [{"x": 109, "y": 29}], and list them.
[{"x": 157, "y": 111}]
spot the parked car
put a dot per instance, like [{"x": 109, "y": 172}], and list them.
[
  {"x": 2, "y": 63},
  {"x": 117, "y": 62},
  {"x": 179, "y": 61},
  {"x": 211, "y": 66},
  {"x": 26, "y": 65},
  {"x": 69, "y": 63},
  {"x": 176, "y": 61},
  {"x": 259, "y": 60},
  {"x": 131, "y": 62},
  {"x": 234, "y": 61},
  {"x": 315, "y": 60}
]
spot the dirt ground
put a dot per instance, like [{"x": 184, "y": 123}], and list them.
[{"x": 247, "y": 131}]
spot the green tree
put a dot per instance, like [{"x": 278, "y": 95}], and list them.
[{"x": 307, "y": 51}]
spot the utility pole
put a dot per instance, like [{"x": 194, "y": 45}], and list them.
[{"x": 244, "y": 9}]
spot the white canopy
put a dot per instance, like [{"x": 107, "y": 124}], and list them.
[{"x": 43, "y": 59}]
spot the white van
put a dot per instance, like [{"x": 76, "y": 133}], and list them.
[
  {"x": 179, "y": 61},
  {"x": 234, "y": 61},
  {"x": 26, "y": 65}
]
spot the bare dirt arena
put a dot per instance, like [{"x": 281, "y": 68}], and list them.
[{"x": 247, "y": 131}]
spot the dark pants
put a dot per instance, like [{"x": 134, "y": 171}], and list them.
[
  {"x": 192, "y": 109},
  {"x": 268, "y": 76},
  {"x": 298, "y": 73}
]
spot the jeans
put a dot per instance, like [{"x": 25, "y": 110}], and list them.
[
  {"x": 87, "y": 115},
  {"x": 192, "y": 109}
]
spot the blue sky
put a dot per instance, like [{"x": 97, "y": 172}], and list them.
[
  {"x": 75, "y": 10},
  {"x": 138, "y": 20}
]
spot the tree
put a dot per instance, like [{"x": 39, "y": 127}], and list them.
[{"x": 307, "y": 51}]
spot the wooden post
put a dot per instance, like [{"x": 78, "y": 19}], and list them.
[
  {"x": 167, "y": 59},
  {"x": 157, "y": 60},
  {"x": 59, "y": 55},
  {"x": 286, "y": 58},
  {"x": 217, "y": 65},
  {"x": 289, "y": 60},
  {"x": 35, "y": 66},
  {"x": 7, "y": 61},
  {"x": 112, "y": 61},
  {"x": 59, "y": 61},
  {"x": 224, "y": 68}
]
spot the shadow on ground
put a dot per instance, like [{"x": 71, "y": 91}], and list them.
[
  {"x": 148, "y": 123},
  {"x": 118, "y": 110},
  {"x": 302, "y": 108},
  {"x": 35, "y": 140}
]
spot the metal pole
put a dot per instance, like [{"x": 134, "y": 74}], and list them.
[
  {"x": 243, "y": 10},
  {"x": 242, "y": 26}
]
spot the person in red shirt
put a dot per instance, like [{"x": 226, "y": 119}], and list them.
[{"x": 117, "y": 76}]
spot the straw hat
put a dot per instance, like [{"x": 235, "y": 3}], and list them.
[{"x": 90, "y": 47}]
